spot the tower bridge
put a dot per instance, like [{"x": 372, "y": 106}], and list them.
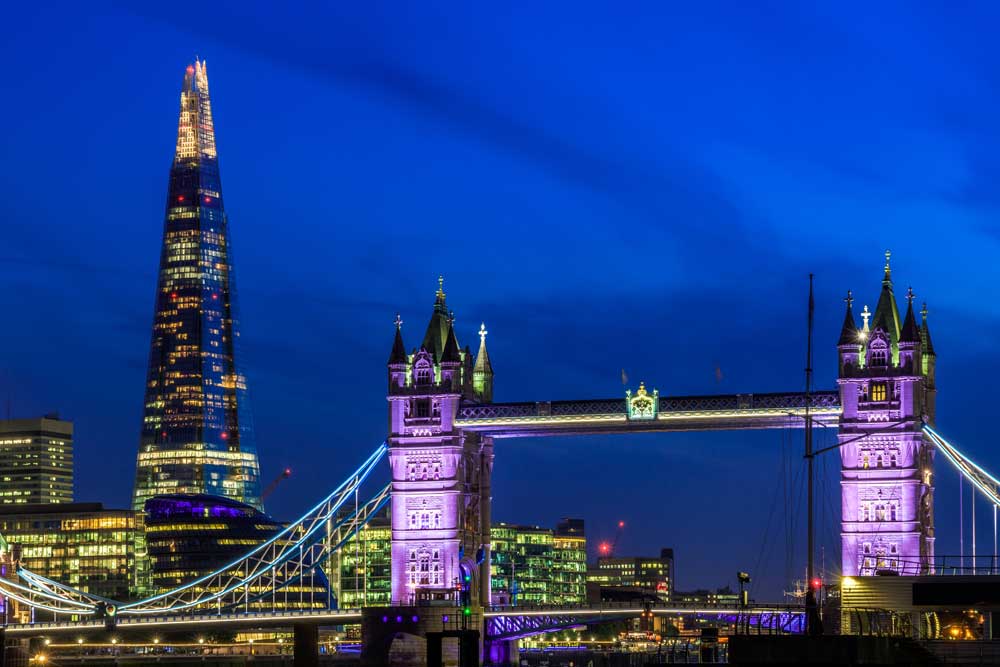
[{"x": 441, "y": 447}]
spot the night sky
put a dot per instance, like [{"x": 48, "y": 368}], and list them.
[{"x": 644, "y": 187}]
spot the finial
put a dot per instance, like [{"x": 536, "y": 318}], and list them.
[
  {"x": 482, "y": 333},
  {"x": 923, "y": 312},
  {"x": 865, "y": 314},
  {"x": 909, "y": 295},
  {"x": 451, "y": 317},
  {"x": 888, "y": 271},
  {"x": 849, "y": 300},
  {"x": 399, "y": 322}
]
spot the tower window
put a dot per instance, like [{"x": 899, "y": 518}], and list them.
[
  {"x": 877, "y": 391},
  {"x": 422, "y": 408}
]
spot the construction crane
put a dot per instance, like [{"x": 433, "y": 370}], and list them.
[
  {"x": 608, "y": 550},
  {"x": 285, "y": 474}
]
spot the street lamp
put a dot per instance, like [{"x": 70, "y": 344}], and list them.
[{"x": 744, "y": 579}]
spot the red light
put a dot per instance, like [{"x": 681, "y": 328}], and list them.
[
  {"x": 180, "y": 197},
  {"x": 173, "y": 295},
  {"x": 225, "y": 436},
  {"x": 621, "y": 524},
  {"x": 208, "y": 200},
  {"x": 605, "y": 547},
  {"x": 817, "y": 583},
  {"x": 215, "y": 296},
  {"x": 164, "y": 434}
]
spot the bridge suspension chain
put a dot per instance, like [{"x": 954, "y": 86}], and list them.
[
  {"x": 975, "y": 474},
  {"x": 295, "y": 551}
]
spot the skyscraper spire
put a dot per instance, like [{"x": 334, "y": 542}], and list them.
[{"x": 197, "y": 436}]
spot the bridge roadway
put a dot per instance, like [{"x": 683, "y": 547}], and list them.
[
  {"x": 505, "y": 622},
  {"x": 674, "y": 413}
]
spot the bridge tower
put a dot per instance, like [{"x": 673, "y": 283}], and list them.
[
  {"x": 440, "y": 475},
  {"x": 887, "y": 389}
]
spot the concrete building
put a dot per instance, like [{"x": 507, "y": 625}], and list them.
[{"x": 36, "y": 461}]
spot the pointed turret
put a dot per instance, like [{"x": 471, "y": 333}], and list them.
[
  {"x": 848, "y": 332},
  {"x": 909, "y": 333},
  {"x": 482, "y": 373},
  {"x": 886, "y": 313},
  {"x": 909, "y": 339},
  {"x": 451, "y": 352},
  {"x": 398, "y": 354},
  {"x": 437, "y": 329},
  {"x": 925, "y": 332}
]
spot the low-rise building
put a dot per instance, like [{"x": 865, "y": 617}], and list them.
[
  {"x": 535, "y": 565},
  {"x": 96, "y": 550},
  {"x": 616, "y": 578}
]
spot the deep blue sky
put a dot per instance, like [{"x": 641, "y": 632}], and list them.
[{"x": 642, "y": 187}]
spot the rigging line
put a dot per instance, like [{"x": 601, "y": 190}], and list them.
[
  {"x": 797, "y": 496},
  {"x": 767, "y": 529}
]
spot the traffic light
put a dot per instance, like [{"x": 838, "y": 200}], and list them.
[{"x": 816, "y": 584}]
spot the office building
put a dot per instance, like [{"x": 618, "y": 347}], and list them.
[
  {"x": 361, "y": 572},
  {"x": 632, "y": 578},
  {"x": 197, "y": 437},
  {"x": 97, "y": 550},
  {"x": 36, "y": 461},
  {"x": 535, "y": 565}
]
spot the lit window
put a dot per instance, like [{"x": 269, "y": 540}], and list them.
[{"x": 878, "y": 391}]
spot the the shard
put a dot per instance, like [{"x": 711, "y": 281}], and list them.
[{"x": 197, "y": 435}]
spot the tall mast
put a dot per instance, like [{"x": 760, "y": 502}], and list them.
[{"x": 810, "y": 594}]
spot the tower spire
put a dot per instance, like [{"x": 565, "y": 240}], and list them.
[
  {"x": 849, "y": 331},
  {"x": 482, "y": 372},
  {"x": 910, "y": 332},
  {"x": 886, "y": 312},
  {"x": 398, "y": 354}
]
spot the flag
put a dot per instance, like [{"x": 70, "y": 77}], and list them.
[{"x": 624, "y": 377}]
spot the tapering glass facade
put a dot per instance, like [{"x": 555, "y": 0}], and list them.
[{"x": 197, "y": 436}]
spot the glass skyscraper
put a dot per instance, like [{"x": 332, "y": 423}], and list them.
[{"x": 197, "y": 436}]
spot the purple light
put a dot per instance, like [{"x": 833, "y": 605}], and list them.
[
  {"x": 385, "y": 619},
  {"x": 444, "y": 619},
  {"x": 399, "y": 619},
  {"x": 416, "y": 618}
]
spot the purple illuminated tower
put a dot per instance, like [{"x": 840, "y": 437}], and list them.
[
  {"x": 440, "y": 475},
  {"x": 887, "y": 390}
]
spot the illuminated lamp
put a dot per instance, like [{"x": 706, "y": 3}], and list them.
[
  {"x": 399, "y": 619},
  {"x": 225, "y": 436},
  {"x": 816, "y": 583},
  {"x": 208, "y": 200},
  {"x": 415, "y": 619},
  {"x": 180, "y": 197},
  {"x": 444, "y": 619},
  {"x": 385, "y": 619}
]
